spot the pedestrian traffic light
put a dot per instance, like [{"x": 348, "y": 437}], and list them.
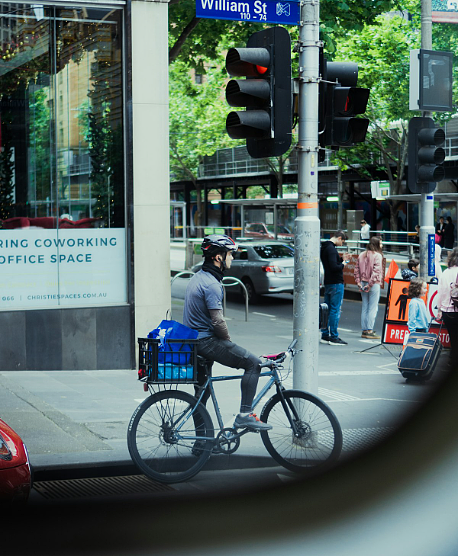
[
  {"x": 340, "y": 100},
  {"x": 425, "y": 155},
  {"x": 265, "y": 93}
]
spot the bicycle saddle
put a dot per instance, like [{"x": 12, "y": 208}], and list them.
[{"x": 274, "y": 356}]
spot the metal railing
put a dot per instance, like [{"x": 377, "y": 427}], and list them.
[
  {"x": 236, "y": 161},
  {"x": 228, "y": 281},
  {"x": 234, "y": 282}
]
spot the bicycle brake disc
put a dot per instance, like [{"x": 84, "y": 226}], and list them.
[{"x": 227, "y": 441}]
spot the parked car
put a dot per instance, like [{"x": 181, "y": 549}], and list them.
[
  {"x": 259, "y": 230},
  {"x": 15, "y": 472},
  {"x": 263, "y": 266}
]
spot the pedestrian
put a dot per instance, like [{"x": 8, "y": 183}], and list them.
[
  {"x": 203, "y": 311},
  {"x": 333, "y": 286},
  {"x": 369, "y": 277},
  {"x": 418, "y": 317},
  {"x": 412, "y": 270},
  {"x": 365, "y": 227},
  {"x": 447, "y": 309},
  {"x": 440, "y": 229},
  {"x": 449, "y": 233}
]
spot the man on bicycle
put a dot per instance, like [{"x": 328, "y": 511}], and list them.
[{"x": 203, "y": 311}]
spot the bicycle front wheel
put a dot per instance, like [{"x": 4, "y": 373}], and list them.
[
  {"x": 317, "y": 440},
  {"x": 166, "y": 441}
]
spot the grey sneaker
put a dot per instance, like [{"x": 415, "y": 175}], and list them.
[
  {"x": 250, "y": 422},
  {"x": 325, "y": 339}
]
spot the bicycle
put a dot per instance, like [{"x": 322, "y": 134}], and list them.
[{"x": 171, "y": 434}]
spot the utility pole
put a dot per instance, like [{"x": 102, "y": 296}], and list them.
[
  {"x": 427, "y": 199},
  {"x": 307, "y": 224}
]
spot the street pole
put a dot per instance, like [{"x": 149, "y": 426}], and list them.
[
  {"x": 307, "y": 224},
  {"x": 340, "y": 189},
  {"x": 427, "y": 199}
]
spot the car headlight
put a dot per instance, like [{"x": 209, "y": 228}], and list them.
[{"x": 5, "y": 452}]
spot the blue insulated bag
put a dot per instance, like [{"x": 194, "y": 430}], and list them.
[{"x": 178, "y": 353}]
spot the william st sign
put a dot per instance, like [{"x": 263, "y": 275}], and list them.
[{"x": 286, "y": 13}]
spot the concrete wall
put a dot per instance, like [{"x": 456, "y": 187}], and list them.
[{"x": 70, "y": 339}]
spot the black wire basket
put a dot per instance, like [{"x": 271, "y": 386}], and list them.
[{"x": 169, "y": 362}]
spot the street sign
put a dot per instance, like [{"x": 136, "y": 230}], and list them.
[
  {"x": 380, "y": 190},
  {"x": 431, "y": 254},
  {"x": 264, "y": 11}
]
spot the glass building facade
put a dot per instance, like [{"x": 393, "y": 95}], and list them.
[
  {"x": 62, "y": 194},
  {"x": 65, "y": 297}
]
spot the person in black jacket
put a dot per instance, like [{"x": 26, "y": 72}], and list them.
[
  {"x": 333, "y": 286},
  {"x": 449, "y": 233}
]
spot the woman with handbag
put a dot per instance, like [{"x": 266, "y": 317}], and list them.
[
  {"x": 368, "y": 276},
  {"x": 447, "y": 304}
]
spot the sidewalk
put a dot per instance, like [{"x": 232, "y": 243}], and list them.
[{"x": 78, "y": 419}]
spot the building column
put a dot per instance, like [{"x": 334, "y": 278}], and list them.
[{"x": 151, "y": 191}]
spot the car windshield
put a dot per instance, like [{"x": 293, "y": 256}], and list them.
[{"x": 274, "y": 251}]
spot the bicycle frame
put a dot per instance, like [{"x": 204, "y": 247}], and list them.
[{"x": 274, "y": 379}]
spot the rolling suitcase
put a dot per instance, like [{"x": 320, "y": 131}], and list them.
[{"x": 420, "y": 355}]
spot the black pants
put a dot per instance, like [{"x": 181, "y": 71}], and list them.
[
  {"x": 451, "y": 322},
  {"x": 231, "y": 355}
]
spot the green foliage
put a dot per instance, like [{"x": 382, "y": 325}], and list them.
[
  {"x": 99, "y": 138},
  {"x": 382, "y": 52},
  {"x": 40, "y": 146},
  {"x": 104, "y": 137},
  {"x": 209, "y": 37},
  {"x": 6, "y": 167},
  {"x": 197, "y": 118}
]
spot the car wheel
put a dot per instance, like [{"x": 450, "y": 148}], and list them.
[{"x": 253, "y": 297}]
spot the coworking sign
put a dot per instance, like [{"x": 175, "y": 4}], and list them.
[{"x": 283, "y": 12}]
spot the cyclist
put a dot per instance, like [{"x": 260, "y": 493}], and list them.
[{"x": 203, "y": 311}]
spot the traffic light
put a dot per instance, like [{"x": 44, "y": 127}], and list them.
[
  {"x": 339, "y": 102},
  {"x": 425, "y": 156},
  {"x": 265, "y": 93}
]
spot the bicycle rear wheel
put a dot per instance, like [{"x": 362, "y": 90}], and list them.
[
  {"x": 318, "y": 441},
  {"x": 162, "y": 436}
]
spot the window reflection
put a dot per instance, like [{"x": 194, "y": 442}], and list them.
[
  {"x": 62, "y": 210},
  {"x": 61, "y": 159}
]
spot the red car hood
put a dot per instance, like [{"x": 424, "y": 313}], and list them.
[{"x": 12, "y": 450}]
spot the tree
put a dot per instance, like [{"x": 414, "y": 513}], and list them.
[
  {"x": 6, "y": 166},
  {"x": 382, "y": 54},
  {"x": 197, "y": 121},
  {"x": 193, "y": 39}
]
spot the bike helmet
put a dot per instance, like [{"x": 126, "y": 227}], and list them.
[{"x": 217, "y": 243}]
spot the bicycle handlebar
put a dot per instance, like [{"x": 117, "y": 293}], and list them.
[
  {"x": 277, "y": 359},
  {"x": 291, "y": 345}
]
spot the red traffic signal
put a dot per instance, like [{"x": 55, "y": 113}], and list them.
[
  {"x": 340, "y": 101},
  {"x": 266, "y": 122}
]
